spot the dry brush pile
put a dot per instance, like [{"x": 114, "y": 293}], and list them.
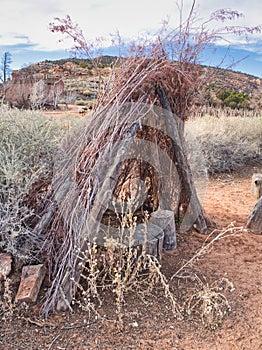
[
  {"x": 57, "y": 237},
  {"x": 99, "y": 160}
]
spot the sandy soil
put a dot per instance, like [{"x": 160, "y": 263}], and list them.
[
  {"x": 70, "y": 110},
  {"x": 149, "y": 323}
]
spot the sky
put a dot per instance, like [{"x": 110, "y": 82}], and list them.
[{"x": 24, "y": 27}]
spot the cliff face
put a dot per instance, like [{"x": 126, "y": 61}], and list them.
[{"x": 33, "y": 90}]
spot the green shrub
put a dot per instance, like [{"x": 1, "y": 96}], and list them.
[{"x": 233, "y": 98}]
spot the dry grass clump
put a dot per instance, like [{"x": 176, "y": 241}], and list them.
[
  {"x": 205, "y": 298},
  {"x": 209, "y": 302},
  {"x": 226, "y": 143},
  {"x": 9, "y": 307},
  {"x": 121, "y": 270}
]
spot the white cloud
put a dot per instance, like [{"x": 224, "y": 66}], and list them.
[
  {"x": 27, "y": 20},
  {"x": 252, "y": 46},
  {"x": 14, "y": 39}
]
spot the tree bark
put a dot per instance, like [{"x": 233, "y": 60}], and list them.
[{"x": 192, "y": 207}]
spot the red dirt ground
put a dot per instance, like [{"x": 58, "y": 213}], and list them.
[{"x": 149, "y": 323}]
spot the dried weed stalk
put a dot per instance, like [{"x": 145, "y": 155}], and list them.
[
  {"x": 7, "y": 304},
  {"x": 211, "y": 239},
  {"x": 209, "y": 302},
  {"x": 121, "y": 269},
  {"x": 9, "y": 307}
]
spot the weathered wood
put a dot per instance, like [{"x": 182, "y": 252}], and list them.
[
  {"x": 90, "y": 225},
  {"x": 46, "y": 220},
  {"x": 194, "y": 212},
  {"x": 254, "y": 222},
  {"x": 166, "y": 220},
  {"x": 88, "y": 220},
  {"x": 152, "y": 236}
]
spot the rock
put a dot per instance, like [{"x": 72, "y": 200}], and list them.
[
  {"x": 256, "y": 185},
  {"x": 5, "y": 265},
  {"x": 31, "y": 280}
]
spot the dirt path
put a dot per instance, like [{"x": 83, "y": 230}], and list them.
[
  {"x": 149, "y": 324},
  {"x": 228, "y": 200}
]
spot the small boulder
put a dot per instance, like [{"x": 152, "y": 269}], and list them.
[{"x": 31, "y": 280}]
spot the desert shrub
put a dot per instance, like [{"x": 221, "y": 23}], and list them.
[
  {"x": 28, "y": 143},
  {"x": 85, "y": 64},
  {"x": 226, "y": 143},
  {"x": 233, "y": 98}
]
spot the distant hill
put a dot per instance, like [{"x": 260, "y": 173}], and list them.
[
  {"x": 222, "y": 87},
  {"x": 223, "y": 82}
]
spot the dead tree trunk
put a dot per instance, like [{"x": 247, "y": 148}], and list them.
[
  {"x": 192, "y": 206},
  {"x": 254, "y": 222}
]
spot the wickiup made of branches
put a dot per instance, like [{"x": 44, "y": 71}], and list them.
[{"x": 144, "y": 102}]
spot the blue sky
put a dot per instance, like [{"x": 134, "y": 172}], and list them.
[{"x": 25, "y": 34}]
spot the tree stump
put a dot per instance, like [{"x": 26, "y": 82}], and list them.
[
  {"x": 153, "y": 237},
  {"x": 254, "y": 222},
  {"x": 166, "y": 220}
]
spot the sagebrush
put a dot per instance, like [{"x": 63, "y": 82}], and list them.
[
  {"x": 28, "y": 145},
  {"x": 226, "y": 143}
]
